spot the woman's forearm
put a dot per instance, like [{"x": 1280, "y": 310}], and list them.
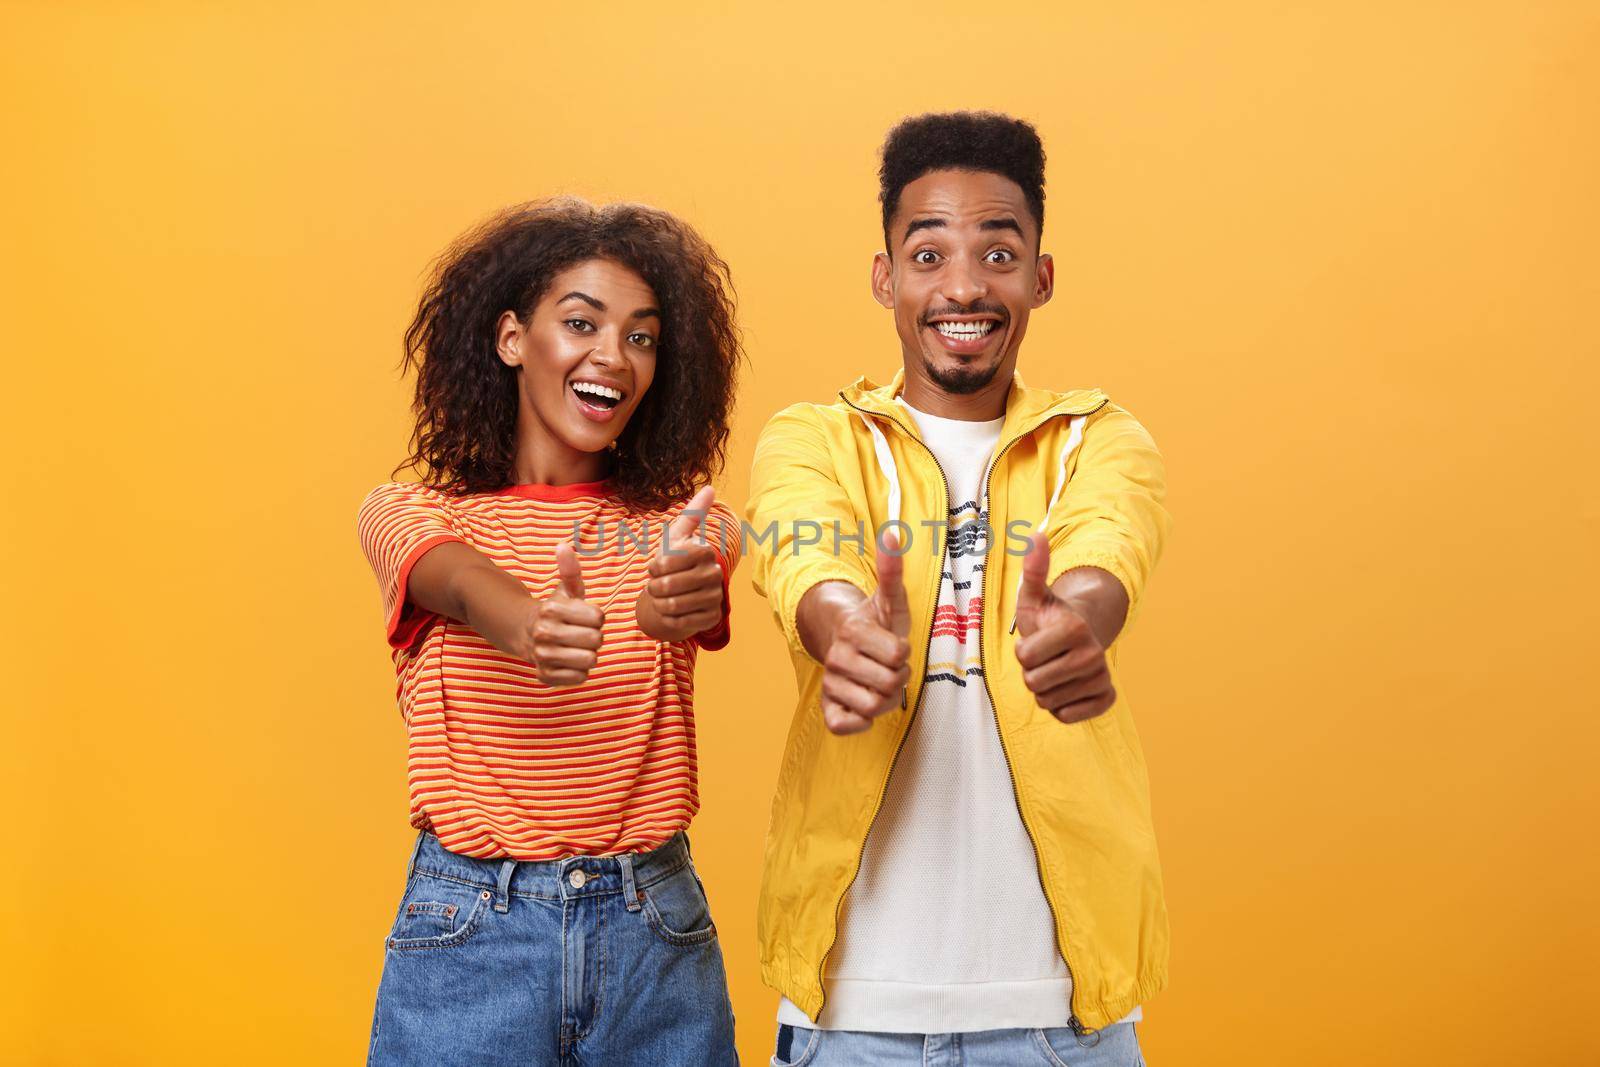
[{"x": 461, "y": 583}]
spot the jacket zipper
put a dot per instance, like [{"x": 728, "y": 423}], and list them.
[
  {"x": 1074, "y": 1024},
  {"x": 883, "y": 791}
]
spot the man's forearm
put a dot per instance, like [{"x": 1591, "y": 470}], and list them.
[
  {"x": 1098, "y": 597},
  {"x": 819, "y": 612}
]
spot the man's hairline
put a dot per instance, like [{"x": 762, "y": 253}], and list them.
[{"x": 1038, "y": 225}]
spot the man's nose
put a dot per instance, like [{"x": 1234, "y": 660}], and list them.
[{"x": 962, "y": 284}]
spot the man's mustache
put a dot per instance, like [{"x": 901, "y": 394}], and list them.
[{"x": 979, "y": 308}]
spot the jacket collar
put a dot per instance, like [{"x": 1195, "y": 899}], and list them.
[{"x": 1026, "y": 409}]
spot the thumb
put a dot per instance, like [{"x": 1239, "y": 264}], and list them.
[
  {"x": 893, "y": 610},
  {"x": 1033, "y": 593},
  {"x": 690, "y": 519},
  {"x": 571, "y": 573}
]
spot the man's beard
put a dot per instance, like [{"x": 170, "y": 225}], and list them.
[
  {"x": 962, "y": 380},
  {"x": 959, "y": 380}
]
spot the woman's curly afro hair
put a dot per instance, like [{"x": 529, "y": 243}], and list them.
[{"x": 465, "y": 439}]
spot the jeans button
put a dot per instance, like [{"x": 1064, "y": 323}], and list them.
[{"x": 577, "y": 878}]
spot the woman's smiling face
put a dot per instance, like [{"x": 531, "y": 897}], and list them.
[{"x": 585, "y": 358}]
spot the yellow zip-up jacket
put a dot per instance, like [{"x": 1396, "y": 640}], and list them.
[{"x": 1085, "y": 472}]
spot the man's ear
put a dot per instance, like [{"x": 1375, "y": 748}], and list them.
[
  {"x": 883, "y": 279},
  {"x": 1044, "y": 282},
  {"x": 508, "y": 339}
]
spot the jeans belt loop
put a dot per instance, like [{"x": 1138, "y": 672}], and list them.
[
  {"x": 502, "y": 893},
  {"x": 416, "y": 854},
  {"x": 630, "y": 892}
]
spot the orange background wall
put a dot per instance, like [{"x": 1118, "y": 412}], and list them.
[{"x": 1342, "y": 263}]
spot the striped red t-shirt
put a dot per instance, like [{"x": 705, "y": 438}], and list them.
[{"x": 500, "y": 764}]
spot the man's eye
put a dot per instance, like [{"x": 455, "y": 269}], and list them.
[
  {"x": 1000, "y": 255},
  {"x": 581, "y": 325},
  {"x": 643, "y": 340},
  {"x": 926, "y": 257}
]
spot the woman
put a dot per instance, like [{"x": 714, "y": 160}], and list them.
[{"x": 575, "y": 370}]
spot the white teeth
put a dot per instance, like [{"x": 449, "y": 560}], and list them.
[
  {"x": 597, "y": 390},
  {"x": 964, "y": 331}
]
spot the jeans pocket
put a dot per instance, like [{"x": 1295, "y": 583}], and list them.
[
  {"x": 677, "y": 911},
  {"x": 1115, "y": 1046},
  {"x": 438, "y": 913},
  {"x": 796, "y": 1047}
]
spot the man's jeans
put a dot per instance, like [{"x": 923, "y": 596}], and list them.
[
  {"x": 1115, "y": 1046},
  {"x": 576, "y": 961}
]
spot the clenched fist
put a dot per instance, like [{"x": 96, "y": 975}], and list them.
[{"x": 1063, "y": 663}]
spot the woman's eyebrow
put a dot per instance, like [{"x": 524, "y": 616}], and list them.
[{"x": 599, "y": 305}]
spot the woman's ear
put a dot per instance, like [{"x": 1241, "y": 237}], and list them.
[{"x": 508, "y": 334}]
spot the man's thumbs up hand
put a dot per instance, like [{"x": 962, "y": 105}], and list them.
[
  {"x": 1063, "y": 664},
  {"x": 1033, "y": 596},
  {"x": 866, "y": 669},
  {"x": 894, "y": 614}
]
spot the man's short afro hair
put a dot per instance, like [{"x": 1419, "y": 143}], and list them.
[{"x": 962, "y": 140}]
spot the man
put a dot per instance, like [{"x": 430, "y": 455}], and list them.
[{"x": 961, "y": 866}]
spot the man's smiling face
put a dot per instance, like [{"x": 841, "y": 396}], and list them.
[{"x": 962, "y": 273}]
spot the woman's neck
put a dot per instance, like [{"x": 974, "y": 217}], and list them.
[{"x": 542, "y": 459}]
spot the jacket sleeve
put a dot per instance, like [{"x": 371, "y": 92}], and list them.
[
  {"x": 795, "y": 500},
  {"x": 1112, "y": 514}
]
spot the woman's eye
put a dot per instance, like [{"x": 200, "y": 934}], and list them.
[
  {"x": 1000, "y": 255},
  {"x": 926, "y": 257},
  {"x": 581, "y": 325},
  {"x": 643, "y": 340}
]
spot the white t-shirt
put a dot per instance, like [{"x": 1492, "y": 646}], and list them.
[{"x": 946, "y": 928}]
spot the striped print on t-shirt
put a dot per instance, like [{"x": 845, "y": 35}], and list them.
[{"x": 498, "y": 763}]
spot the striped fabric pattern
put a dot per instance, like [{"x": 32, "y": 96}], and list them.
[
  {"x": 953, "y": 645},
  {"x": 499, "y": 764}
]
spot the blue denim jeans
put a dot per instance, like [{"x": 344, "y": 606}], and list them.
[
  {"x": 1115, "y": 1046},
  {"x": 572, "y": 962}
]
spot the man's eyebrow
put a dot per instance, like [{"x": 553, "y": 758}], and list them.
[
  {"x": 1004, "y": 223},
  {"x": 585, "y": 297},
  {"x": 923, "y": 224}
]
